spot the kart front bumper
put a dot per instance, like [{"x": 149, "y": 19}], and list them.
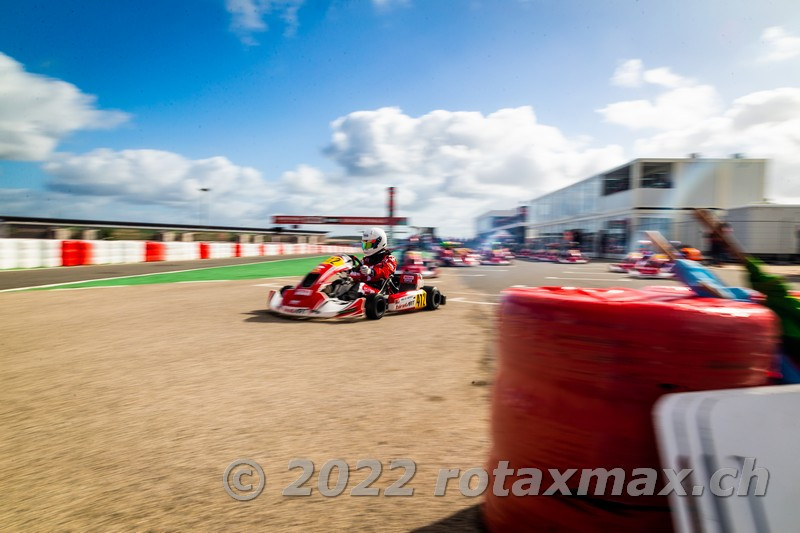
[{"x": 331, "y": 308}]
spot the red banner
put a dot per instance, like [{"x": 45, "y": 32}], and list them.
[{"x": 349, "y": 221}]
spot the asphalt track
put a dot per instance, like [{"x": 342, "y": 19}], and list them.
[
  {"x": 490, "y": 280},
  {"x": 121, "y": 407}
]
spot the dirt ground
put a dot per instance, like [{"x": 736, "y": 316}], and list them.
[{"x": 120, "y": 409}]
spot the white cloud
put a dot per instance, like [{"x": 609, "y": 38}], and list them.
[
  {"x": 466, "y": 160},
  {"x": 673, "y": 109},
  {"x": 664, "y": 77},
  {"x": 681, "y": 105},
  {"x": 631, "y": 73},
  {"x": 248, "y": 17},
  {"x": 388, "y": 4},
  {"x": 628, "y": 74},
  {"x": 692, "y": 117},
  {"x": 163, "y": 179},
  {"x": 448, "y": 167},
  {"x": 36, "y": 112},
  {"x": 764, "y": 124},
  {"x": 779, "y": 45}
]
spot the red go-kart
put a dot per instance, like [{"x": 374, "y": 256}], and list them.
[{"x": 329, "y": 291}]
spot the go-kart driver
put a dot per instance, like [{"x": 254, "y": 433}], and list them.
[{"x": 378, "y": 263}]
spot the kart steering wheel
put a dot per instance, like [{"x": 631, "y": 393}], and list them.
[{"x": 357, "y": 261}]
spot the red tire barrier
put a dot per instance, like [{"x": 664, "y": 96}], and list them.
[
  {"x": 578, "y": 373},
  {"x": 237, "y": 250},
  {"x": 75, "y": 253},
  {"x": 69, "y": 253},
  {"x": 154, "y": 251},
  {"x": 85, "y": 249},
  {"x": 261, "y": 250},
  {"x": 205, "y": 250}
]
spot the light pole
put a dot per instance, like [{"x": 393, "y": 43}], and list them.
[{"x": 204, "y": 189}]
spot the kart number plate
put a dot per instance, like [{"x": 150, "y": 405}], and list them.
[
  {"x": 421, "y": 300},
  {"x": 334, "y": 260}
]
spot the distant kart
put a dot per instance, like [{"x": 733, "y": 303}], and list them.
[
  {"x": 496, "y": 257},
  {"x": 526, "y": 254},
  {"x": 549, "y": 255},
  {"x": 423, "y": 270},
  {"x": 627, "y": 264},
  {"x": 461, "y": 257},
  {"x": 571, "y": 255},
  {"x": 415, "y": 263},
  {"x": 328, "y": 291},
  {"x": 657, "y": 266}
]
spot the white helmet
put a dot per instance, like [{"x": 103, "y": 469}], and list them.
[{"x": 373, "y": 241}]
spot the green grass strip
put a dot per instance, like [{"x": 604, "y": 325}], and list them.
[{"x": 270, "y": 269}]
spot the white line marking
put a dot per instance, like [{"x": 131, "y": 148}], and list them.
[
  {"x": 493, "y": 294},
  {"x": 87, "y": 288},
  {"x": 204, "y": 281},
  {"x": 462, "y": 300},
  {"x": 155, "y": 274},
  {"x": 597, "y": 273},
  {"x": 588, "y": 279}
]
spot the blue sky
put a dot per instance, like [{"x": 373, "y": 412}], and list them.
[{"x": 315, "y": 107}]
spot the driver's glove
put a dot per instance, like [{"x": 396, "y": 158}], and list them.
[{"x": 365, "y": 270}]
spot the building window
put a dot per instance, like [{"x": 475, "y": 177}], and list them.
[
  {"x": 657, "y": 175},
  {"x": 617, "y": 181}
]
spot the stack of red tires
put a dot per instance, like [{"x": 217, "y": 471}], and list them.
[
  {"x": 578, "y": 373},
  {"x": 75, "y": 253},
  {"x": 155, "y": 251}
]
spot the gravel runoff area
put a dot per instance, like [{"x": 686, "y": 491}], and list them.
[{"x": 121, "y": 407}]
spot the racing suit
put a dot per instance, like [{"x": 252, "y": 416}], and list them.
[{"x": 383, "y": 265}]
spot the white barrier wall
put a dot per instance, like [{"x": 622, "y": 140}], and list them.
[
  {"x": 101, "y": 252},
  {"x": 221, "y": 250},
  {"x": 51, "y": 252},
  {"x": 251, "y": 250},
  {"x": 116, "y": 253},
  {"x": 8, "y": 254},
  {"x": 35, "y": 253},
  {"x": 133, "y": 251},
  {"x": 181, "y": 251},
  {"x": 29, "y": 253}
]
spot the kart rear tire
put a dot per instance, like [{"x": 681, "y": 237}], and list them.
[
  {"x": 375, "y": 306},
  {"x": 283, "y": 289},
  {"x": 433, "y": 298}
]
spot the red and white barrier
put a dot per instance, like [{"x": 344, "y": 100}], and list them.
[{"x": 36, "y": 253}]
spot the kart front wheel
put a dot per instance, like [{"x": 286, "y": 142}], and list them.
[
  {"x": 375, "y": 306},
  {"x": 283, "y": 289},
  {"x": 433, "y": 298}
]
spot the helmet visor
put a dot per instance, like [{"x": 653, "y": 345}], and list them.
[{"x": 369, "y": 245}]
